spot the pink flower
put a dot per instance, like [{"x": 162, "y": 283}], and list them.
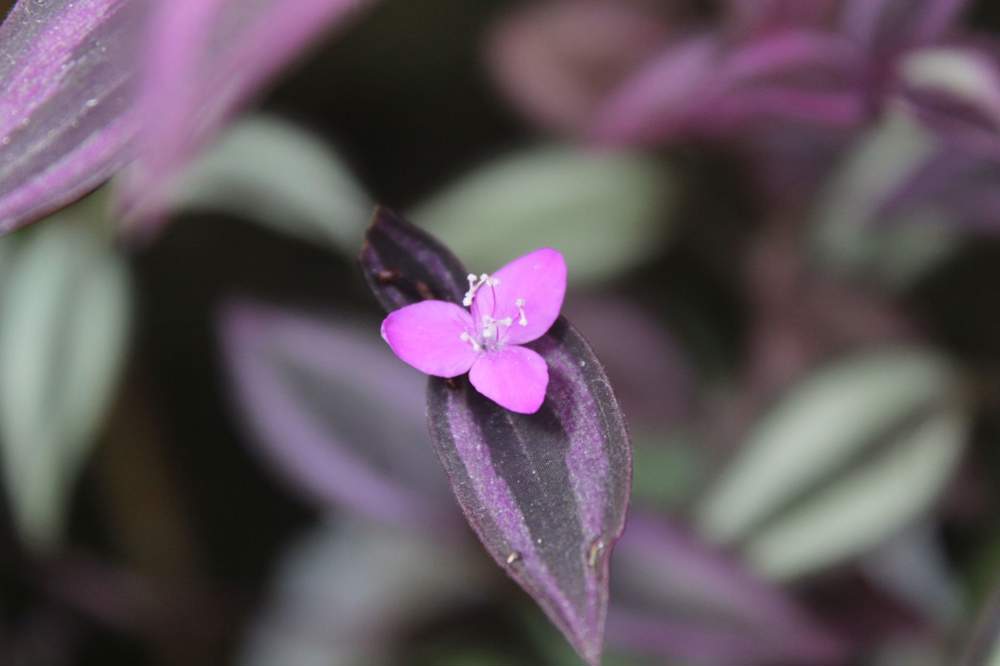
[{"x": 509, "y": 308}]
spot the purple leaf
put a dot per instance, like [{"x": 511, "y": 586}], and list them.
[
  {"x": 546, "y": 492},
  {"x": 557, "y": 60},
  {"x": 652, "y": 376},
  {"x": 337, "y": 416},
  {"x": 887, "y": 25},
  {"x": 678, "y": 598},
  {"x": 960, "y": 184},
  {"x": 706, "y": 87},
  {"x": 404, "y": 265},
  {"x": 759, "y": 15},
  {"x": 656, "y": 102},
  {"x": 205, "y": 60},
  {"x": 66, "y": 117}
]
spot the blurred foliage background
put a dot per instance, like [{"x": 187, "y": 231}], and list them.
[{"x": 825, "y": 418}]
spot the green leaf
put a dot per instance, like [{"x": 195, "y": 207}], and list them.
[
  {"x": 847, "y": 234},
  {"x": 346, "y": 593},
  {"x": 605, "y": 212},
  {"x": 861, "y": 510},
  {"x": 667, "y": 468},
  {"x": 63, "y": 328},
  {"x": 846, "y": 460},
  {"x": 272, "y": 172}
]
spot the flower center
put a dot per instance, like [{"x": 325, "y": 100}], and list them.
[{"x": 489, "y": 333}]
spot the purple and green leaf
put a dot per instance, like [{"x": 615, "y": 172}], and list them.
[
  {"x": 680, "y": 599},
  {"x": 703, "y": 85},
  {"x": 983, "y": 648},
  {"x": 546, "y": 492},
  {"x": 66, "y": 121},
  {"x": 887, "y": 25},
  {"x": 205, "y": 60},
  {"x": 81, "y": 97},
  {"x": 313, "y": 393}
]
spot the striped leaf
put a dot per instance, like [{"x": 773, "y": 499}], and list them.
[
  {"x": 205, "y": 60},
  {"x": 547, "y": 492},
  {"x": 65, "y": 105},
  {"x": 310, "y": 392}
]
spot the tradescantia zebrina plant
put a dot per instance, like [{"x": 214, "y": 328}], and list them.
[{"x": 545, "y": 489}]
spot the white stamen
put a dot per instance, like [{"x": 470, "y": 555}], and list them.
[
  {"x": 523, "y": 320},
  {"x": 491, "y": 325},
  {"x": 465, "y": 337},
  {"x": 467, "y": 300},
  {"x": 474, "y": 285}
]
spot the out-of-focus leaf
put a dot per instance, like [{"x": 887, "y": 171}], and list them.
[
  {"x": 914, "y": 650},
  {"x": 706, "y": 87},
  {"x": 676, "y": 598},
  {"x": 983, "y": 648},
  {"x": 269, "y": 171},
  {"x": 669, "y": 466},
  {"x": 752, "y": 17},
  {"x": 63, "y": 327},
  {"x": 605, "y": 212},
  {"x": 651, "y": 376},
  {"x": 337, "y": 414},
  {"x": 955, "y": 91},
  {"x": 854, "y": 231},
  {"x": 887, "y": 25},
  {"x": 557, "y": 60},
  {"x": 545, "y": 492},
  {"x": 346, "y": 591},
  {"x": 204, "y": 60},
  {"x": 655, "y": 103},
  {"x": 66, "y": 119},
  {"x": 913, "y": 568},
  {"x": 847, "y": 459}
]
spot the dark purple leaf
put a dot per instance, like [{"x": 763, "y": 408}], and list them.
[
  {"x": 678, "y": 598},
  {"x": 545, "y": 492},
  {"x": 337, "y": 416},
  {"x": 404, "y": 265},
  {"x": 66, "y": 118}
]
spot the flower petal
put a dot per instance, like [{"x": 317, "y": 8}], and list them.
[
  {"x": 513, "y": 377},
  {"x": 427, "y": 336},
  {"x": 539, "y": 280}
]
